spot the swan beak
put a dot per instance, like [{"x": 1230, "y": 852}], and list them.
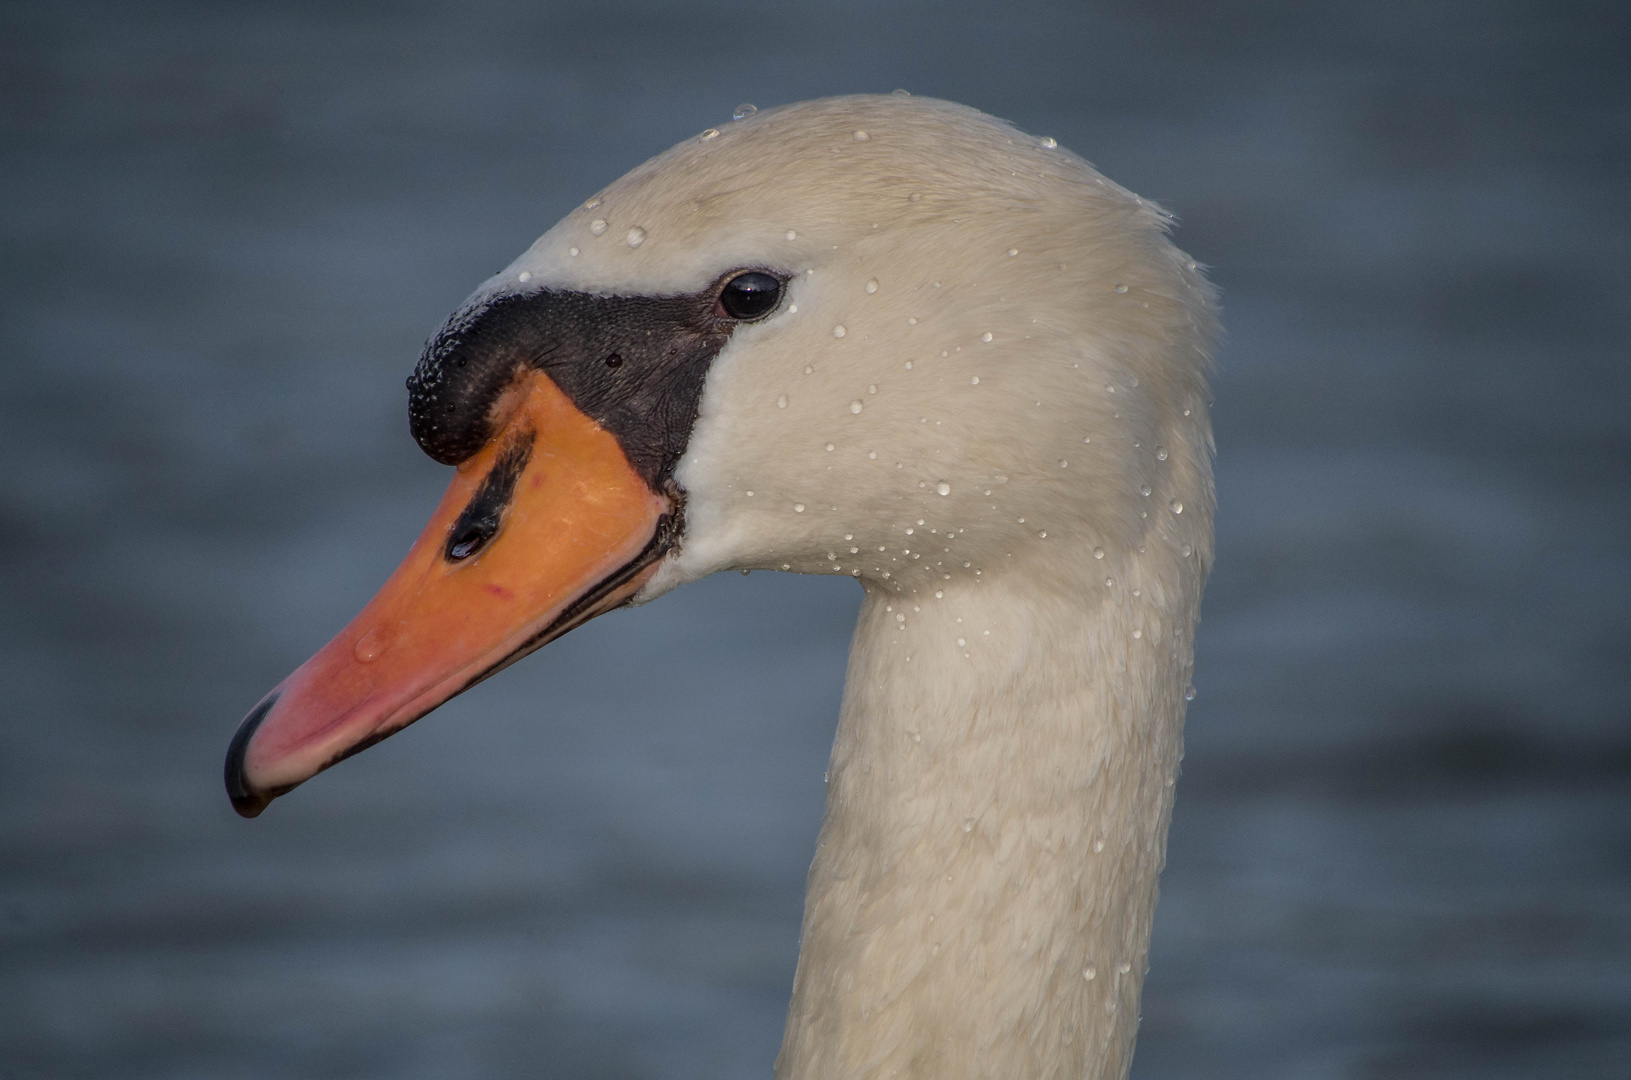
[{"x": 544, "y": 528}]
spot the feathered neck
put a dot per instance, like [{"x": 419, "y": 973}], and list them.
[{"x": 1000, "y": 787}]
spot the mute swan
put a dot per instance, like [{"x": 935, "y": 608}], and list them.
[{"x": 885, "y": 337}]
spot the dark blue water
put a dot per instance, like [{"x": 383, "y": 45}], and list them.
[{"x": 1402, "y": 846}]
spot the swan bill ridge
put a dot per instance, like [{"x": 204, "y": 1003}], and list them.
[{"x": 564, "y": 414}]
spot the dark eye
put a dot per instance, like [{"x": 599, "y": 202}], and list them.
[{"x": 750, "y": 295}]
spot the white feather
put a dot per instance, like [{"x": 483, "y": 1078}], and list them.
[{"x": 1020, "y": 477}]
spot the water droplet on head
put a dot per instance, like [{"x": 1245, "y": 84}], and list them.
[
  {"x": 1098, "y": 553},
  {"x": 792, "y": 234},
  {"x": 1090, "y": 973},
  {"x": 855, "y": 407},
  {"x": 1144, "y": 490},
  {"x": 598, "y": 226},
  {"x": 839, "y": 331},
  {"x": 711, "y": 133},
  {"x": 1189, "y": 692},
  {"x": 1109, "y": 583},
  {"x": 861, "y": 136},
  {"x": 961, "y": 642},
  {"x": 1012, "y": 252},
  {"x": 986, "y": 336},
  {"x": 798, "y": 508},
  {"x": 572, "y": 252},
  {"x": 872, "y": 388},
  {"x": 974, "y": 380},
  {"x": 901, "y": 93},
  {"x": 743, "y": 111},
  {"x": 636, "y": 237},
  {"x": 1121, "y": 288},
  {"x": 872, "y": 285},
  {"x": 1160, "y": 453},
  {"x": 1177, "y": 507},
  {"x": 1063, "y": 464},
  {"x": 592, "y": 203},
  {"x": 1187, "y": 551},
  {"x": 943, "y": 488},
  {"x": 829, "y": 450},
  {"x": 781, "y": 401}
]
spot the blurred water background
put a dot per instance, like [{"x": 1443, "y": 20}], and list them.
[{"x": 1402, "y": 845}]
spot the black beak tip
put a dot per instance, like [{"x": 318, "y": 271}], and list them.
[{"x": 247, "y": 801}]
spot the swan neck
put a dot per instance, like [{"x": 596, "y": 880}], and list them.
[{"x": 1000, "y": 787}]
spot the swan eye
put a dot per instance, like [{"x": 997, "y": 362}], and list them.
[{"x": 750, "y": 295}]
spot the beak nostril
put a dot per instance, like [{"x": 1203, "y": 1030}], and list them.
[
  {"x": 482, "y": 518},
  {"x": 470, "y": 539}
]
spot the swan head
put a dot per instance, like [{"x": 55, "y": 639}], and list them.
[{"x": 884, "y": 337}]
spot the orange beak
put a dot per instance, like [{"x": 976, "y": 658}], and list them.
[{"x": 543, "y": 529}]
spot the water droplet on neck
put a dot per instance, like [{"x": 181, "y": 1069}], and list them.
[
  {"x": 1144, "y": 490},
  {"x": 711, "y": 133},
  {"x": 861, "y": 136},
  {"x": 781, "y": 402},
  {"x": 636, "y": 237},
  {"x": 1121, "y": 288},
  {"x": 1098, "y": 553},
  {"x": 839, "y": 331},
  {"x": 855, "y": 407},
  {"x": 1189, "y": 692},
  {"x": 986, "y": 336},
  {"x": 743, "y": 111},
  {"x": 1177, "y": 507},
  {"x": 872, "y": 285},
  {"x": 798, "y": 508},
  {"x": 1160, "y": 453},
  {"x": 943, "y": 488},
  {"x": 1049, "y": 142},
  {"x": 1187, "y": 550},
  {"x": 598, "y": 226}
]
